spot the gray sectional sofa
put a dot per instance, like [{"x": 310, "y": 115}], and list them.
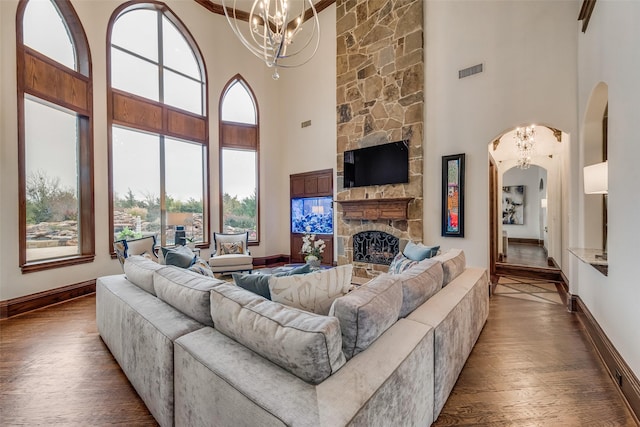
[{"x": 203, "y": 352}]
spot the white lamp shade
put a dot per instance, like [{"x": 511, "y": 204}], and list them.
[{"x": 596, "y": 178}]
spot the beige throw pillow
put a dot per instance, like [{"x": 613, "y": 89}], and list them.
[{"x": 313, "y": 292}]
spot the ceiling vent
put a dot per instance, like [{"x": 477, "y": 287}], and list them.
[{"x": 470, "y": 71}]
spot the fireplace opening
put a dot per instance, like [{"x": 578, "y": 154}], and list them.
[{"x": 375, "y": 247}]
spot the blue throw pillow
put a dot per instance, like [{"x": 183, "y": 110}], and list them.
[
  {"x": 256, "y": 283},
  {"x": 180, "y": 256},
  {"x": 418, "y": 251}
]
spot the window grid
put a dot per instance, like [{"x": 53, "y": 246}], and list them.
[{"x": 162, "y": 137}]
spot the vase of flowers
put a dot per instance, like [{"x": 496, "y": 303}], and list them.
[{"x": 312, "y": 248}]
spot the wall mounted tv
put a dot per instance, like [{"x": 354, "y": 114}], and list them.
[{"x": 377, "y": 165}]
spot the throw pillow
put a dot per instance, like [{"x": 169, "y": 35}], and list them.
[
  {"x": 180, "y": 256},
  {"x": 231, "y": 248},
  {"x": 400, "y": 263},
  {"x": 200, "y": 266},
  {"x": 259, "y": 283},
  {"x": 256, "y": 283},
  {"x": 418, "y": 251},
  {"x": 313, "y": 292}
]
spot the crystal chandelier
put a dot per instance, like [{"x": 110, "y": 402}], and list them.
[
  {"x": 272, "y": 29},
  {"x": 525, "y": 140}
]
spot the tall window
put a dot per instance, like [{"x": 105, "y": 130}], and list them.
[
  {"x": 55, "y": 144},
  {"x": 158, "y": 135},
  {"x": 239, "y": 159}
]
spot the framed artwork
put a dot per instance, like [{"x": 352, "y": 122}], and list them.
[
  {"x": 453, "y": 195},
  {"x": 513, "y": 204}
]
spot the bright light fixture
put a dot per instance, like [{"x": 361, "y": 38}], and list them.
[{"x": 274, "y": 32}]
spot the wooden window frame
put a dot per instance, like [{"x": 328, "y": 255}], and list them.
[
  {"x": 249, "y": 140},
  {"x": 46, "y": 79},
  {"x": 136, "y": 113}
]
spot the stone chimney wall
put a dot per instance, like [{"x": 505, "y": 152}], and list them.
[{"x": 380, "y": 97}]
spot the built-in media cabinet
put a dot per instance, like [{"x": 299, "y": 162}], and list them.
[{"x": 311, "y": 205}]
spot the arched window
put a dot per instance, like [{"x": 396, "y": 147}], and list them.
[
  {"x": 159, "y": 137},
  {"x": 239, "y": 151},
  {"x": 55, "y": 144}
]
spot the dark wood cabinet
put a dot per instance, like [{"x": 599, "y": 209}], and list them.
[{"x": 311, "y": 184}]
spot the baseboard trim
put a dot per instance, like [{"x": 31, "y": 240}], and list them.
[
  {"x": 621, "y": 374},
  {"x": 527, "y": 241},
  {"x": 15, "y": 306}
]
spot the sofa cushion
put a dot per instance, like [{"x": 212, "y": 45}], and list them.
[
  {"x": 400, "y": 263},
  {"x": 180, "y": 256},
  {"x": 186, "y": 291},
  {"x": 312, "y": 292},
  {"x": 367, "y": 312},
  {"x": 453, "y": 263},
  {"x": 230, "y": 261},
  {"x": 259, "y": 283},
  {"x": 419, "y": 283},
  {"x": 305, "y": 344},
  {"x": 139, "y": 271},
  {"x": 418, "y": 251}
]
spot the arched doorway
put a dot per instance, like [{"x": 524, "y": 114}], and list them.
[{"x": 525, "y": 205}]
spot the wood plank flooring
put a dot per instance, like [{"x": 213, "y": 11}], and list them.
[
  {"x": 526, "y": 254},
  {"x": 55, "y": 370},
  {"x": 531, "y": 366}
]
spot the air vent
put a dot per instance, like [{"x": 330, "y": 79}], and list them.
[{"x": 470, "y": 71}]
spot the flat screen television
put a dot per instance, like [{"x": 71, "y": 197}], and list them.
[{"x": 377, "y": 165}]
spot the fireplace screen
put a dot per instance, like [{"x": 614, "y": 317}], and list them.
[{"x": 375, "y": 247}]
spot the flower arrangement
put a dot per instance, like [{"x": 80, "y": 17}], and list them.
[{"x": 312, "y": 248}]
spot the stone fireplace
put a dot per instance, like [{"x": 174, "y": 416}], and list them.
[{"x": 380, "y": 99}]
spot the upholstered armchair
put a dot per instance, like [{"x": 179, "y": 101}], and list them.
[{"x": 231, "y": 253}]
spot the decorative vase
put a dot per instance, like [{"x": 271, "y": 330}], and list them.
[{"x": 312, "y": 260}]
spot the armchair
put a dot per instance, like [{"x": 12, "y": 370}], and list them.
[{"x": 231, "y": 253}]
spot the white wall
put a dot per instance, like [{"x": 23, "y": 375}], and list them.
[
  {"x": 528, "y": 49},
  {"x": 308, "y": 93},
  {"x": 613, "y": 300},
  {"x": 530, "y": 178},
  {"x": 224, "y": 57}
]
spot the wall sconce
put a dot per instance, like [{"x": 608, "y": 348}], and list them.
[
  {"x": 596, "y": 181},
  {"x": 596, "y": 178}
]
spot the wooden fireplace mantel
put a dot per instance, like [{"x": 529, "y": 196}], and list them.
[{"x": 394, "y": 209}]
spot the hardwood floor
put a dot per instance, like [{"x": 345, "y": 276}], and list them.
[
  {"x": 55, "y": 370},
  {"x": 531, "y": 366},
  {"x": 526, "y": 254}
]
